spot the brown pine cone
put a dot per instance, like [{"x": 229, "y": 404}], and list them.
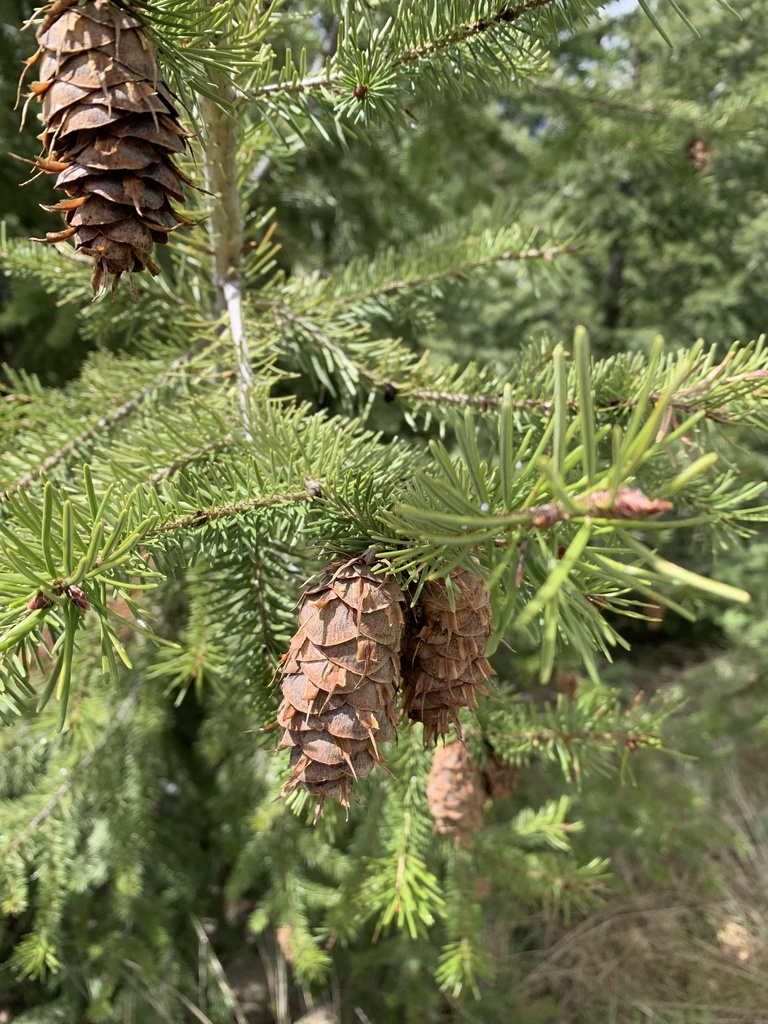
[
  {"x": 111, "y": 127},
  {"x": 445, "y": 664},
  {"x": 455, "y": 792},
  {"x": 340, "y": 677}
]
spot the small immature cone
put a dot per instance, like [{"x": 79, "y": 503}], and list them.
[
  {"x": 445, "y": 664},
  {"x": 111, "y": 129},
  {"x": 455, "y": 792},
  {"x": 340, "y": 677}
]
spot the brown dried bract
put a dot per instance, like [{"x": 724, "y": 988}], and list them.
[
  {"x": 340, "y": 677},
  {"x": 626, "y": 503},
  {"x": 111, "y": 128},
  {"x": 78, "y": 597}
]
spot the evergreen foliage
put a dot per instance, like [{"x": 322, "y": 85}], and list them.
[{"x": 266, "y": 406}]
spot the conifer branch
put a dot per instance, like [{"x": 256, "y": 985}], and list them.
[
  {"x": 315, "y": 82},
  {"x": 483, "y": 402},
  {"x": 465, "y": 32},
  {"x": 103, "y": 424},
  {"x": 210, "y": 515},
  {"x": 264, "y": 618},
  {"x": 459, "y": 271},
  {"x": 579, "y": 734},
  {"x": 679, "y": 403},
  {"x": 76, "y": 774},
  {"x": 631, "y": 739},
  {"x": 191, "y": 458},
  {"x": 293, "y": 87},
  {"x": 285, "y": 315}
]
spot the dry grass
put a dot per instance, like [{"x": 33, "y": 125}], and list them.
[{"x": 674, "y": 957}]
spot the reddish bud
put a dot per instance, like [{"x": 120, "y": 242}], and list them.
[
  {"x": 360, "y": 91},
  {"x": 40, "y": 600},
  {"x": 632, "y": 746},
  {"x": 77, "y": 596},
  {"x": 547, "y": 515}
]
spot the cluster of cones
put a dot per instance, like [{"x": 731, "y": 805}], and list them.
[
  {"x": 111, "y": 130},
  {"x": 356, "y": 649}
]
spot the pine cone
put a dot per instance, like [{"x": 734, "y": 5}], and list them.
[
  {"x": 110, "y": 129},
  {"x": 445, "y": 662},
  {"x": 455, "y": 792},
  {"x": 340, "y": 677}
]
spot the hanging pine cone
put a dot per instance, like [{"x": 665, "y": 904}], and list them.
[
  {"x": 455, "y": 792},
  {"x": 340, "y": 677},
  {"x": 445, "y": 663},
  {"x": 110, "y": 129}
]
